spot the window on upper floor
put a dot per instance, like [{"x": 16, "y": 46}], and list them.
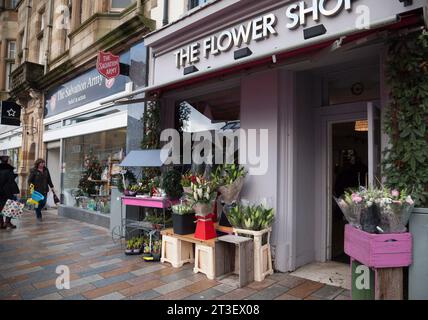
[
  {"x": 41, "y": 51},
  {"x": 11, "y": 49},
  {"x": 119, "y": 5},
  {"x": 10, "y": 66},
  {"x": 196, "y": 3}
]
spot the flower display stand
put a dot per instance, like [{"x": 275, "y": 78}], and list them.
[
  {"x": 262, "y": 252},
  {"x": 176, "y": 252},
  {"x": 377, "y": 262}
]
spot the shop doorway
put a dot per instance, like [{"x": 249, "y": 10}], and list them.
[
  {"x": 353, "y": 152},
  {"x": 349, "y": 161},
  {"x": 53, "y": 163}
]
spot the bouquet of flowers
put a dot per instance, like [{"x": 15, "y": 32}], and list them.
[
  {"x": 230, "y": 179},
  {"x": 395, "y": 208},
  {"x": 377, "y": 209},
  {"x": 186, "y": 181},
  {"x": 202, "y": 195}
]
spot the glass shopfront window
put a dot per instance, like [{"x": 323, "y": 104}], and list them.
[{"x": 91, "y": 168}]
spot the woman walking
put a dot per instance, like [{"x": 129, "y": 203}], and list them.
[
  {"x": 40, "y": 178},
  {"x": 8, "y": 189}
]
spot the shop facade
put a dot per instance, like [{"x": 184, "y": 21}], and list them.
[
  {"x": 312, "y": 74},
  {"x": 86, "y": 139}
]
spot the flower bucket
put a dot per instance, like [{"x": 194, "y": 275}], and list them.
[
  {"x": 205, "y": 229},
  {"x": 183, "y": 223},
  {"x": 231, "y": 192}
]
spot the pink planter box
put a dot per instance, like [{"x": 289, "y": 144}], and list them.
[{"x": 378, "y": 250}]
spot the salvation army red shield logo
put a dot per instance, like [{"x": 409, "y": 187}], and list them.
[{"x": 108, "y": 65}]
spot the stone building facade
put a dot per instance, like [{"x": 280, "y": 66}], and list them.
[
  {"x": 58, "y": 40},
  {"x": 8, "y": 32}
]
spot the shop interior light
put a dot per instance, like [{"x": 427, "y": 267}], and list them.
[{"x": 362, "y": 126}]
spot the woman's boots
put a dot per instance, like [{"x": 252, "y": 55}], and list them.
[{"x": 6, "y": 224}]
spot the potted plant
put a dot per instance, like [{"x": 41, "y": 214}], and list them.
[
  {"x": 138, "y": 245},
  {"x": 154, "y": 186},
  {"x": 147, "y": 250},
  {"x": 254, "y": 218},
  {"x": 130, "y": 246},
  {"x": 183, "y": 219},
  {"x": 255, "y": 222},
  {"x": 156, "y": 250},
  {"x": 171, "y": 183}
]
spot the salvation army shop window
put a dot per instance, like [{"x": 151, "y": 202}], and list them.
[{"x": 91, "y": 169}]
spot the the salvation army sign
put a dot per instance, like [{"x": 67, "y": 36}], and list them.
[{"x": 108, "y": 65}]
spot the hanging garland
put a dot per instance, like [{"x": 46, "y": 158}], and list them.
[
  {"x": 151, "y": 126},
  {"x": 406, "y": 159}
]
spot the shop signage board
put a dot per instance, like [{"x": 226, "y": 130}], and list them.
[
  {"x": 10, "y": 113},
  {"x": 86, "y": 88},
  {"x": 108, "y": 65},
  {"x": 289, "y": 26}
]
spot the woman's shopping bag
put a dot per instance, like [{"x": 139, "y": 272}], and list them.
[
  {"x": 56, "y": 199},
  {"x": 50, "y": 201},
  {"x": 13, "y": 209}
]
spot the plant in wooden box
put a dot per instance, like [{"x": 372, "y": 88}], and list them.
[
  {"x": 255, "y": 221},
  {"x": 183, "y": 219},
  {"x": 202, "y": 197},
  {"x": 171, "y": 183}
]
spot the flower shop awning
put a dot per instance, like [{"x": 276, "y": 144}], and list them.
[{"x": 143, "y": 158}]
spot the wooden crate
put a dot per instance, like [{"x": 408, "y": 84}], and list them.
[
  {"x": 378, "y": 250},
  {"x": 176, "y": 252},
  {"x": 205, "y": 260},
  {"x": 262, "y": 252}
]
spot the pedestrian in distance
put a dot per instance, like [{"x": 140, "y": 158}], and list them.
[
  {"x": 40, "y": 178},
  {"x": 8, "y": 189}
]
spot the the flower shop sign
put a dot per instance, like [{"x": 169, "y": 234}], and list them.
[{"x": 289, "y": 25}]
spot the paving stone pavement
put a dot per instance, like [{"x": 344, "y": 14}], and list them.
[{"x": 99, "y": 270}]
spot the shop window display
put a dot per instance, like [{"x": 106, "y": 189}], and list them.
[{"x": 91, "y": 168}]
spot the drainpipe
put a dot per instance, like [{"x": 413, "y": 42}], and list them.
[
  {"x": 27, "y": 24},
  {"x": 165, "y": 20},
  {"x": 48, "y": 40}
]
